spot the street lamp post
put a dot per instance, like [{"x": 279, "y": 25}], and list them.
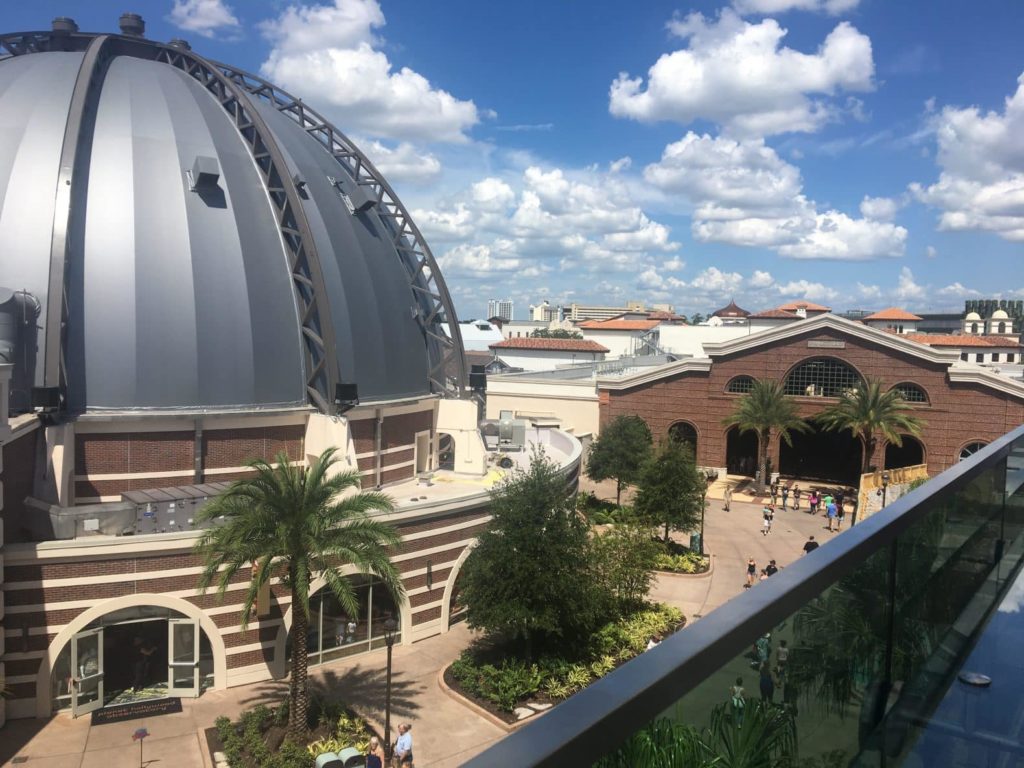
[
  {"x": 390, "y": 630},
  {"x": 709, "y": 477},
  {"x": 883, "y": 491}
]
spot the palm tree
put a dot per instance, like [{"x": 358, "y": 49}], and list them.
[
  {"x": 765, "y": 408},
  {"x": 295, "y": 523},
  {"x": 868, "y": 411}
]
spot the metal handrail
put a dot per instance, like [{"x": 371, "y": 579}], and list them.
[{"x": 598, "y": 719}]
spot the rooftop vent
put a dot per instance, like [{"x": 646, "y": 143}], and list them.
[
  {"x": 64, "y": 25},
  {"x": 179, "y": 43},
  {"x": 205, "y": 173},
  {"x": 131, "y": 24}
]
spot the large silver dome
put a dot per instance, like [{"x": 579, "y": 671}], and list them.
[{"x": 189, "y": 236}]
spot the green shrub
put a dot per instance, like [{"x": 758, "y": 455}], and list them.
[
  {"x": 688, "y": 562},
  {"x": 513, "y": 681}
]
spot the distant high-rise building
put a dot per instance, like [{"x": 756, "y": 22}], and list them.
[{"x": 500, "y": 308}]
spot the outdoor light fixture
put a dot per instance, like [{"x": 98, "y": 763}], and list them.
[
  {"x": 390, "y": 630},
  {"x": 885, "y": 487}
]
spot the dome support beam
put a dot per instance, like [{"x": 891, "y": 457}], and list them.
[
  {"x": 321, "y": 364},
  {"x": 431, "y": 301}
]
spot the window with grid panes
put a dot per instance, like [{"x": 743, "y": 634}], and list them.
[{"x": 823, "y": 377}]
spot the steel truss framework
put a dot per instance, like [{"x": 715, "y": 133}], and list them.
[{"x": 232, "y": 88}]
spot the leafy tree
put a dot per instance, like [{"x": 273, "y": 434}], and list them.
[
  {"x": 556, "y": 333},
  {"x": 696, "y": 318},
  {"x": 868, "y": 411},
  {"x": 767, "y": 739},
  {"x": 623, "y": 559},
  {"x": 528, "y": 579},
  {"x": 293, "y": 522},
  {"x": 765, "y": 408},
  {"x": 620, "y": 452},
  {"x": 671, "y": 489}
]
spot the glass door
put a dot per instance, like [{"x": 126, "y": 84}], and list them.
[
  {"x": 87, "y": 671},
  {"x": 182, "y": 657}
]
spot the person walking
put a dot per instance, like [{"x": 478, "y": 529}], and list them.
[
  {"x": 840, "y": 513},
  {"x": 403, "y": 747},
  {"x": 775, "y": 493},
  {"x": 738, "y": 701},
  {"x": 810, "y": 545},
  {"x": 796, "y": 497},
  {"x": 785, "y": 495},
  {"x": 767, "y": 683},
  {"x": 830, "y": 510},
  {"x": 812, "y": 502},
  {"x": 766, "y": 526},
  {"x": 751, "y": 572},
  {"x": 728, "y": 497}
]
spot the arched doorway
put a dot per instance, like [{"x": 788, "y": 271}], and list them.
[
  {"x": 445, "y": 451},
  {"x": 741, "y": 452},
  {"x": 333, "y": 633},
  {"x": 130, "y": 653},
  {"x": 906, "y": 455},
  {"x": 821, "y": 455},
  {"x": 684, "y": 432}
]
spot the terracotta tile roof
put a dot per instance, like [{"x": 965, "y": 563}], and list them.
[
  {"x": 961, "y": 340},
  {"x": 810, "y": 306},
  {"x": 554, "y": 345},
  {"x": 892, "y": 313},
  {"x": 775, "y": 314},
  {"x": 618, "y": 325}
]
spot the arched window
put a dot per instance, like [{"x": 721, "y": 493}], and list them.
[
  {"x": 911, "y": 392},
  {"x": 1002, "y": 327},
  {"x": 684, "y": 432},
  {"x": 740, "y": 385},
  {"x": 974, "y": 327},
  {"x": 970, "y": 449},
  {"x": 822, "y": 377}
]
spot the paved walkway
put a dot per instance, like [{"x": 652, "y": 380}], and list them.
[{"x": 445, "y": 733}]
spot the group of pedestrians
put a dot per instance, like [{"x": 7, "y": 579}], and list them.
[
  {"x": 770, "y": 678},
  {"x": 401, "y": 750},
  {"x": 766, "y": 573},
  {"x": 833, "y": 505}
]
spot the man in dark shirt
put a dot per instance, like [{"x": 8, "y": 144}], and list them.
[
  {"x": 811, "y": 545},
  {"x": 772, "y": 568}
]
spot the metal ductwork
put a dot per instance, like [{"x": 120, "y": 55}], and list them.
[{"x": 19, "y": 315}]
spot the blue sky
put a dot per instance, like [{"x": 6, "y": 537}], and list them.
[{"x": 857, "y": 153}]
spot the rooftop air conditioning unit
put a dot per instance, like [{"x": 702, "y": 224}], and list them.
[{"x": 511, "y": 434}]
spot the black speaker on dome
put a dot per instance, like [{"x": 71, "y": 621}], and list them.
[
  {"x": 47, "y": 399},
  {"x": 346, "y": 396},
  {"x": 478, "y": 378}
]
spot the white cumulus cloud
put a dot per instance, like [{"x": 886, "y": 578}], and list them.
[
  {"x": 737, "y": 74},
  {"x": 981, "y": 157},
  {"x": 545, "y": 219},
  {"x": 770, "y": 7},
  {"x": 204, "y": 17},
  {"x": 403, "y": 162},
  {"x": 879, "y": 208},
  {"x": 330, "y": 54},
  {"x": 743, "y": 193}
]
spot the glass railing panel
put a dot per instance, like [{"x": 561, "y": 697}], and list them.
[{"x": 804, "y": 688}]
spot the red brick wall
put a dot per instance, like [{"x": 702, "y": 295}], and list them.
[
  {"x": 234, "y": 447},
  {"x": 956, "y": 414},
  {"x": 106, "y": 454}
]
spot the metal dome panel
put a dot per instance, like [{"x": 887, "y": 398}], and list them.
[
  {"x": 185, "y": 298},
  {"x": 199, "y": 249}
]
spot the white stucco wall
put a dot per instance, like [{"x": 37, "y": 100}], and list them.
[
  {"x": 689, "y": 339},
  {"x": 545, "y": 360},
  {"x": 572, "y": 404}
]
